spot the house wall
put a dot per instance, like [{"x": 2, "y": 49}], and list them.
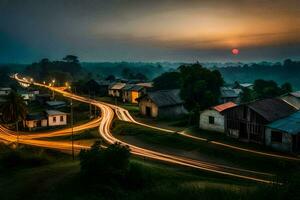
[
  {"x": 30, "y": 124},
  {"x": 286, "y": 144},
  {"x": 218, "y": 121},
  {"x": 171, "y": 111},
  {"x": 134, "y": 95},
  {"x": 58, "y": 122},
  {"x": 243, "y": 123},
  {"x": 143, "y": 104},
  {"x": 114, "y": 93},
  {"x": 44, "y": 123}
]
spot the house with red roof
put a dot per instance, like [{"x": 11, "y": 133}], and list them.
[{"x": 212, "y": 119}]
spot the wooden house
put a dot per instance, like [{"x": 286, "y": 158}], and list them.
[
  {"x": 247, "y": 121},
  {"x": 115, "y": 89},
  {"x": 162, "y": 104},
  {"x": 229, "y": 94}
]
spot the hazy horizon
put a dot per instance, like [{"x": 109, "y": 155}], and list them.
[{"x": 156, "y": 31}]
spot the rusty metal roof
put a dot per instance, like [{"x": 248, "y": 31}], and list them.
[{"x": 224, "y": 106}]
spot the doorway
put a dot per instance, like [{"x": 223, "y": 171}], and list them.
[{"x": 148, "y": 111}]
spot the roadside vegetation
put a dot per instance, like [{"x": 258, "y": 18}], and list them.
[
  {"x": 113, "y": 173},
  {"x": 176, "y": 144}
]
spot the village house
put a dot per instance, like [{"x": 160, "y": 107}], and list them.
[
  {"x": 99, "y": 87},
  {"x": 5, "y": 91},
  {"x": 284, "y": 134},
  {"x": 115, "y": 89},
  {"x": 292, "y": 98},
  {"x": 162, "y": 104},
  {"x": 247, "y": 121},
  {"x": 243, "y": 86},
  {"x": 229, "y": 94},
  {"x": 42, "y": 98},
  {"x": 212, "y": 119},
  {"x": 131, "y": 92},
  {"x": 29, "y": 95},
  {"x": 56, "y": 104},
  {"x": 48, "y": 118},
  {"x": 56, "y": 118}
]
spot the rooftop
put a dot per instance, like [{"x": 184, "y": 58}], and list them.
[
  {"x": 55, "y": 103},
  {"x": 117, "y": 86},
  {"x": 224, "y": 106},
  {"x": 54, "y": 112},
  {"x": 165, "y": 98},
  {"x": 35, "y": 116},
  {"x": 227, "y": 92},
  {"x": 290, "y": 124},
  {"x": 272, "y": 109}
]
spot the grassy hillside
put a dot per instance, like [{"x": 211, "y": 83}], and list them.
[{"x": 59, "y": 179}]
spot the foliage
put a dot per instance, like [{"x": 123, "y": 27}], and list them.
[
  {"x": 166, "y": 81},
  {"x": 13, "y": 109},
  {"x": 130, "y": 74},
  {"x": 279, "y": 72},
  {"x": 246, "y": 95},
  {"x": 200, "y": 87},
  {"x": 104, "y": 69},
  {"x": 98, "y": 162},
  {"x": 61, "y": 71},
  {"x": 11, "y": 158},
  {"x": 269, "y": 89}
]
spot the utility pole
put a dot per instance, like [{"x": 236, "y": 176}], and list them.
[
  {"x": 72, "y": 124},
  {"x": 17, "y": 127},
  {"x": 90, "y": 104}
]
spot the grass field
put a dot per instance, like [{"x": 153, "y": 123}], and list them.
[
  {"x": 174, "y": 143},
  {"x": 59, "y": 178}
]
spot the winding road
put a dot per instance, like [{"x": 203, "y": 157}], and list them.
[{"x": 108, "y": 112}]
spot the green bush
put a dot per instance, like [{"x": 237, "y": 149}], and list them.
[
  {"x": 108, "y": 163},
  {"x": 11, "y": 158}
]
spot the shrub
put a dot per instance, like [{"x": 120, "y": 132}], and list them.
[{"x": 109, "y": 164}]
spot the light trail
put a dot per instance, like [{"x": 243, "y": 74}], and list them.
[{"x": 108, "y": 113}]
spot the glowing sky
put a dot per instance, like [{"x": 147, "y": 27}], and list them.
[{"x": 114, "y": 30}]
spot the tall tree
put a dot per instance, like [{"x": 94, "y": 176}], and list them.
[
  {"x": 13, "y": 109},
  {"x": 200, "y": 86},
  {"x": 71, "y": 58},
  {"x": 168, "y": 80}
]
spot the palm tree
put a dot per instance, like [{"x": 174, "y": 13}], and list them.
[{"x": 14, "y": 110}]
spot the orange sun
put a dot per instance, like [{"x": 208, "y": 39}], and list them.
[{"x": 235, "y": 51}]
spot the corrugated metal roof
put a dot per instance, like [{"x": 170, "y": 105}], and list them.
[
  {"x": 224, "y": 106},
  {"x": 117, "y": 86},
  {"x": 292, "y": 100},
  {"x": 54, "y": 112},
  {"x": 296, "y": 94},
  {"x": 164, "y": 98},
  {"x": 35, "y": 116},
  {"x": 290, "y": 124},
  {"x": 227, "y": 92},
  {"x": 272, "y": 109}
]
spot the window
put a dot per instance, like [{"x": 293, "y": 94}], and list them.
[
  {"x": 276, "y": 136},
  {"x": 211, "y": 120},
  {"x": 61, "y": 118},
  {"x": 54, "y": 119}
]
